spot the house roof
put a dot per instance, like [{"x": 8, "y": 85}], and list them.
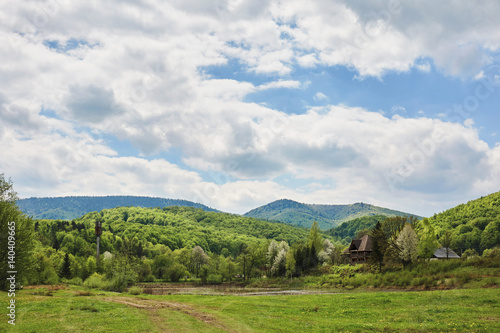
[
  {"x": 366, "y": 243},
  {"x": 441, "y": 253},
  {"x": 362, "y": 244}
]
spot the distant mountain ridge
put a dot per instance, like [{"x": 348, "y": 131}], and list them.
[
  {"x": 68, "y": 208},
  {"x": 327, "y": 216}
]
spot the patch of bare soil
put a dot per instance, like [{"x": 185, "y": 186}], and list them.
[{"x": 152, "y": 306}]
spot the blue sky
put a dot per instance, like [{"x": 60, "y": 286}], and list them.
[{"x": 236, "y": 103}]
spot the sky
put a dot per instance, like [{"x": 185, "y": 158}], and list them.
[{"x": 236, "y": 103}]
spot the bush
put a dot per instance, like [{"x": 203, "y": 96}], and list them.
[
  {"x": 74, "y": 281},
  {"x": 176, "y": 272},
  {"x": 470, "y": 253},
  {"x": 96, "y": 281},
  {"x": 47, "y": 276},
  {"x": 214, "y": 279},
  {"x": 135, "y": 290},
  {"x": 149, "y": 278},
  {"x": 492, "y": 253}
]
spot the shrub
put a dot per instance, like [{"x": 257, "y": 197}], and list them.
[
  {"x": 470, "y": 253},
  {"x": 135, "y": 290},
  {"x": 214, "y": 279},
  {"x": 176, "y": 272},
  {"x": 492, "y": 253},
  {"x": 96, "y": 281},
  {"x": 149, "y": 278},
  {"x": 74, "y": 281}
]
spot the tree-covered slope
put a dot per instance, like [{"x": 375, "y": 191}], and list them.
[
  {"x": 475, "y": 225},
  {"x": 348, "y": 230},
  {"x": 67, "y": 208},
  {"x": 175, "y": 227},
  {"x": 327, "y": 216}
]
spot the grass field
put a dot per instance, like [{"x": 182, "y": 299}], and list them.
[{"x": 70, "y": 310}]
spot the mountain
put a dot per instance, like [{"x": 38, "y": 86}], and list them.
[
  {"x": 67, "y": 208},
  {"x": 474, "y": 225},
  {"x": 327, "y": 216}
]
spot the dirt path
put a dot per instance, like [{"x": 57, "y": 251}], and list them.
[{"x": 152, "y": 307}]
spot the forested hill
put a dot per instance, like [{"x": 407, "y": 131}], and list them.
[
  {"x": 475, "y": 225},
  {"x": 347, "y": 231},
  {"x": 327, "y": 216},
  {"x": 175, "y": 227},
  {"x": 67, "y": 208}
]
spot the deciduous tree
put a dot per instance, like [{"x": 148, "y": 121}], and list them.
[
  {"x": 16, "y": 237},
  {"x": 407, "y": 242},
  {"x": 427, "y": 243}
]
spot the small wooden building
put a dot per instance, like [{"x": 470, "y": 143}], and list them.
[
  {"x": 441, "y": 254},
  {"x": 360, "y": 250}
]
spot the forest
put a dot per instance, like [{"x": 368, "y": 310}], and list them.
[
  {"x": 68, "y": 208},
  {"x": 185, "y": 243},
  {"x": 327, "y": 216}
]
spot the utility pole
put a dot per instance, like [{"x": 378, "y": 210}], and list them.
[{"x": 98, "y": 232}]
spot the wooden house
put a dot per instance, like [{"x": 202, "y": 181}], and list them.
[{"x": 360, "y": 250}]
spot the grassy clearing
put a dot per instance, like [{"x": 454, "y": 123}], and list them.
[
  {"x": 73, "y": 310},
  {"x": 432, "y": 311}
]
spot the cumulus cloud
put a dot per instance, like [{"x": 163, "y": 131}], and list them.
[{"x": 137, "y": 72}]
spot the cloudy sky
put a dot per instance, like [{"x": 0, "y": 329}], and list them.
[{"x": 236, "y": 103}]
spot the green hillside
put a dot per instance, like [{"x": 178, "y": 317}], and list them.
[
  {"x": 348, "y": 230},
  {"x": 175, "y": 227},
  {"x": 475, "y": 225},
  {"x": 68, "y": 208},
  {"x": 327, "y": 216}
]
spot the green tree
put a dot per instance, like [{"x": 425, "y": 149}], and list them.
[
  {"x": 279, "y": 265},
  {"x": 66, "y": 268},
  {"x": 16, "y": 237},
  {"x": 446, "y": 240},
  {"x": 315, "y": 239},
  {"x": 198, "y": 259},
  {"x": 91, "y": 265},
  {"x": 407, "y": 242},
  {"x": 427, "y": 243},
  {"x": 290, "y": 263},
  {"x": 379, "y": 245},
  {"x": 176, "y": 272},
  {"x": 392, "y": 227},
  {"x": 491, "y": 235}
]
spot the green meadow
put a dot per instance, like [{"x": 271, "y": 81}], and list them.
[{"x": 73, "y": 309}]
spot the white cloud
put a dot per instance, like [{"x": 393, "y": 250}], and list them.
[
  {"x": 319, "y": 96},
  {"x": 398, "y": 109},
  {"x": 138, "y": 73},
  {"x": 425, "y": 67},
  {"x": 289, "y": 84}
]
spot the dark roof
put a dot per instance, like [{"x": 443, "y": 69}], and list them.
[
  {"x": 362, "y": 244},
  {"x": 366, "y": 243},
  {"x": 441, "y": 254}
]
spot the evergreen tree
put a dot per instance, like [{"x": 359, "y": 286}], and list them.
[
  {"x": 66, "y": 271},
  {"x": 315, "y": 239},
  {"x": 379, "y": 245},
  {"x": 290, "y": 263}
]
